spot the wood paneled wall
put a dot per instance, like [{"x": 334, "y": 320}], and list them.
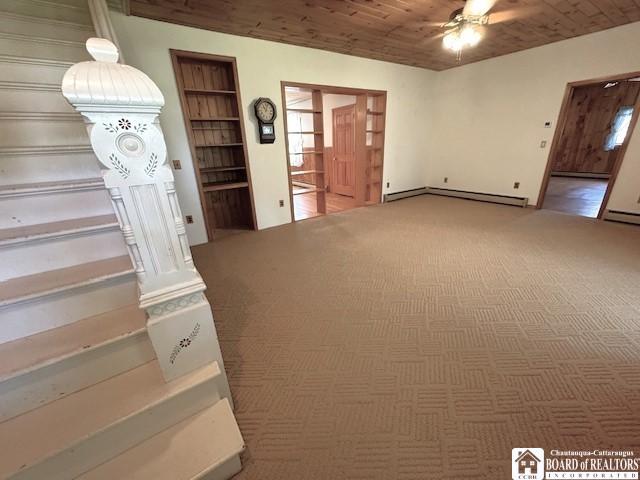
[{"x": 591, "y": 112}]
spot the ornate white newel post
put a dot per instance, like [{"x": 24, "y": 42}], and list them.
[{"x": 120, "y": 105}]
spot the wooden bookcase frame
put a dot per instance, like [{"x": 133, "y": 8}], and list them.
[
  {"x": 232, "y": 98},
  {"x": 368, "y": 163}
]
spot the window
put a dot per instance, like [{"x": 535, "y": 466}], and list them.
[{"x": 619, "y": 128}]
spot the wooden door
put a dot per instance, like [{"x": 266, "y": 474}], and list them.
[{"x": 342, "y": 178}]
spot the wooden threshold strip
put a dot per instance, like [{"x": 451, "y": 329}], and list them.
[
  {"x": 303, "y": 110},
  {"x": 307, "y": 190},
  {"x": 306, "y": 153},
  {"x": 306, "y": 172}
]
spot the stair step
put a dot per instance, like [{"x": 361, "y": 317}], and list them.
[
  {"x": 46, "y": 366},
  {"x": 50, "y": 187},
  {"x": 74, "y": 14},
  {"x": 63, "y": 228},
  {"x": 42, "y": 27},
  {"x": 205, "y": 445},
  {"x": 31, "y": 287},
  {"x": 95, "y": 424}
]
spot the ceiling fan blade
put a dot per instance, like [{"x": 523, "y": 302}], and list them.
[
  {"x": 511, "y": 15},
  {"x": 478, "y": 8}
]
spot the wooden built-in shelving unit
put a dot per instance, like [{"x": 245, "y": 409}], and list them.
[
  {"x": 310, "y": 180},
  {"x": 212, "y": 109},
  {"x": 376, "y": 109}
]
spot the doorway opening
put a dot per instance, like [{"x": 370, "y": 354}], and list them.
[
  {"x": 335, "y": 148},
  {"x": 596, "y": 121}
]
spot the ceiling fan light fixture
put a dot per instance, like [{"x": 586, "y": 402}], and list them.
[
  {"x": 466, "y": 35},
  {"x": 470, "y": 35},
  {"x": 452, "y": 41}
]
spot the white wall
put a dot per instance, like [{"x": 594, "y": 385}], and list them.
[
  {"x": 489, "y": 116},
  {"x": 261, "y": 67}
]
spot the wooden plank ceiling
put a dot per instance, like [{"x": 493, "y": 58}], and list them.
[{"x": 400, "y": 31}]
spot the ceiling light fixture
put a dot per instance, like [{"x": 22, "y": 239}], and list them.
[{"x": 464, "y": 35}]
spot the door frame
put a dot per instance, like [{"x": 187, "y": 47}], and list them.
[
  {"x": 351, "y": 107},
  {"x": 337, "y": 90},
  {"x": 562, "y": 123}
]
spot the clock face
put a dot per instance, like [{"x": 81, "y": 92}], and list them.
[{"x": 265, "y": 112}]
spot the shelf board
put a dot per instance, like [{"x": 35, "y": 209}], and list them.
[
  {"x": 306, "y": 153},
  {"x": 221, "y": 169},
  {"x": 307, "y": 190},
  {"x": 214, "y": 187},
  {"x": 375, "y": 131},
  {"x": 307, "y": 172},
  {"x": 219, "y": 145},
  {"x": 303, "y": 110},
  {"x": 371, "y": 112},
  {"x": 306, "y": 133},
  {"x": 213, "y": 119},
  {"x": 207, "y": 90}
]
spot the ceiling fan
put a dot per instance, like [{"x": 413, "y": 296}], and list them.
[
  {"x": 464, "y": 28},
  {"x": 465, "y": 25}
]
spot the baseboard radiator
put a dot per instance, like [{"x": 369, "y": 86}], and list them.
[
  {"x": 624, "y": 217},
  {"x": 445, "y": 192},
  {"x": 390, "y": 197}
]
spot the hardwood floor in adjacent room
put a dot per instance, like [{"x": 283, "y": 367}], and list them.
[
  {"x": 427, "y": 337},
  {"x": 577, "y": 196},
  {"x": 305, "y": 206}
]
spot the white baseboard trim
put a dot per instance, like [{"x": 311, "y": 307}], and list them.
[{"x": 623, "y": 217}]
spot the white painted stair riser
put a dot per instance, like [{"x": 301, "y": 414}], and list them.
[
  {"x": 53, "y": 207},
  {"x": 39, "y": 386},
  {"x": 32, "y": 71},
  {"x": 52, "y": 254},
  {"x": 40, "y": 47},
  {"x": 33, "y": 166},
  {"x": 116, "y": 438},
  {"x": 48, "y": 10},
  {"x": 17, "y": 98},
  {"x": 52, "y": 311},
  {"x": 41, "y": 129},
  {"x": 11, "y": 23}
]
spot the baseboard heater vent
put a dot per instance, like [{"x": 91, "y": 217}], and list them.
[
  {"x": 624, "y": 217},
  {"x": 482, "y": 197},
  {"x": 390, "y": 197}
]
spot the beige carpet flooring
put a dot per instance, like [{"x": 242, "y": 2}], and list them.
[{"x": 426, "y": 338}]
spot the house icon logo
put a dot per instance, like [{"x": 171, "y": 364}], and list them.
[{"x": 527, "y": 464}]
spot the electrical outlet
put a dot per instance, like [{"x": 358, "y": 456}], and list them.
[
  {"x": 388, "y": 184},
  {"x": 281, "y": 203},
  {"x": 177, "y": 165},
  {"x": 446, "y": 179},
  {"x": 516, "y": 185},
  {"x": 547, "y": 124},
  {"x": 189, "y": 218},
  {"x": 543, "y": 144}
]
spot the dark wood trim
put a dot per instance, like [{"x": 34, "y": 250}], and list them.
[{"x": 561, "y": 124}]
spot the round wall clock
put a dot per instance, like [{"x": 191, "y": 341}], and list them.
[{"x": 265, "y": 111}]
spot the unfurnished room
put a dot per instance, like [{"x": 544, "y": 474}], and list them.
[{"x": 319, "y": 240}]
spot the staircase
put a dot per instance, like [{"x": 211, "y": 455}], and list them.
[{"x": 82, "y": 393}]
